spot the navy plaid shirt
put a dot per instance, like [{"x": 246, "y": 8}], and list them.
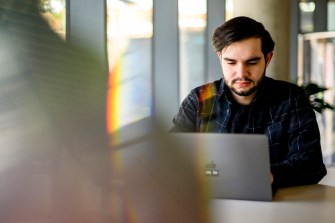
[{"x": 281, "y": 110}]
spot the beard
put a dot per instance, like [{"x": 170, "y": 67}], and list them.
[{"x": 246, "y": 92}]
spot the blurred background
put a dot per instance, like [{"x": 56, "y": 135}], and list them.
[
  {"x": 158, "y": 51},
  {"x": 86, "y": 85}
]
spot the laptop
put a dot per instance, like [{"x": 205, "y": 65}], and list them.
[{"x": 233, "y": 166}]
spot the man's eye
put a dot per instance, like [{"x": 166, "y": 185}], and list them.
[{"x": 252, "y": 63}]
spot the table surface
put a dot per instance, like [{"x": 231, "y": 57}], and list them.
[{"x": 312, "y": 203}]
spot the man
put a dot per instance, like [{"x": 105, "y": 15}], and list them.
[{"x": 246, "y": 101}]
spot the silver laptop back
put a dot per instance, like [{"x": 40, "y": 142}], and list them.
[{"x": 233, "y": 166}]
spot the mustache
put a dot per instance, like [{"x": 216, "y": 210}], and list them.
[{"x": 241, "y": 79}]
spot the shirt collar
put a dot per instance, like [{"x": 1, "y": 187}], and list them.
[{"x": 224, "y": 91}]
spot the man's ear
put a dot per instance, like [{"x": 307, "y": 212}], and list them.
[
  {"x": 268, "y": 58},
  {"x": 218, "y": 53}
]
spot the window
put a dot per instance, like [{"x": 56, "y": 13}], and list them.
[
  {"x": 317, "y": 65},
  {"x": 192, "y": 42},
  {"x": 54, "y": 11},
  {"x": 229, "y": 9},
  {"x": 306, "y": 9},
  {"x": 330, "y": 15},
  {"x": 129, "y": 36}
]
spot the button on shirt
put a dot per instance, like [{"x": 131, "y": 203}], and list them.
[{"x": 280, "y": 110}]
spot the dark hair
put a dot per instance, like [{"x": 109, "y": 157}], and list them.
[{"x": 240, "y": 28}]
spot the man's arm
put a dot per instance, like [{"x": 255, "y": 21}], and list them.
[
  {"x": 185, "y": 119},
  {"x": 300, "y": 170},
  {"x": 304, "y": 162}
]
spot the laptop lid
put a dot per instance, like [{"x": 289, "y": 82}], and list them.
[{"x": 234, "y": 166}]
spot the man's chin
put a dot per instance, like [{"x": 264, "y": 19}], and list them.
[{"x": 243, "y": 92}]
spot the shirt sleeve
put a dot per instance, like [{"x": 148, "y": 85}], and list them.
[
  {"x": 185, "y": 119},
  {"x": 303, "y": 163}
]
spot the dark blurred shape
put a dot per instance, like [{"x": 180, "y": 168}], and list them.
[
  {"x": 56, "y": 164},
  {"x": 54, "y": 152},
  {"x": 158, "y": 182}
]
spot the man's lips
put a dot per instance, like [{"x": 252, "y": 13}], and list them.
[{"x": 242, "y": 83}]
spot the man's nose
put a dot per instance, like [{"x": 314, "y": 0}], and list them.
[{"x": 241, "y": 70}]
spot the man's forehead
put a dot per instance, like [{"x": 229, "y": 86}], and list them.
[{"x": 248, "y": 48}]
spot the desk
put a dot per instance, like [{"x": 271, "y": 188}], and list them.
[{"x": 312, "y": 203}]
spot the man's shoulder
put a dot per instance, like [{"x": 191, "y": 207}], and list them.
[
  {"x": 208, "y": 90},
  {"x": 280, "y": 87}
]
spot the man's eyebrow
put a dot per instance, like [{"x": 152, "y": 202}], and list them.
[
  {"x": 229, "y": 59},
  {"x": 254, "y": 59},
  {"x": 249, "y": 60}
]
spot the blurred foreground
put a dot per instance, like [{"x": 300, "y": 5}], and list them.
[{"x": 56, "y": 162}]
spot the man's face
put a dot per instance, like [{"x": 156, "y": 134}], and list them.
[{"x": 243, "y": 66}]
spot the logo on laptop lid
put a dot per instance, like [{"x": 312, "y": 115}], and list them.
[{"x": 211, "y": 170}]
